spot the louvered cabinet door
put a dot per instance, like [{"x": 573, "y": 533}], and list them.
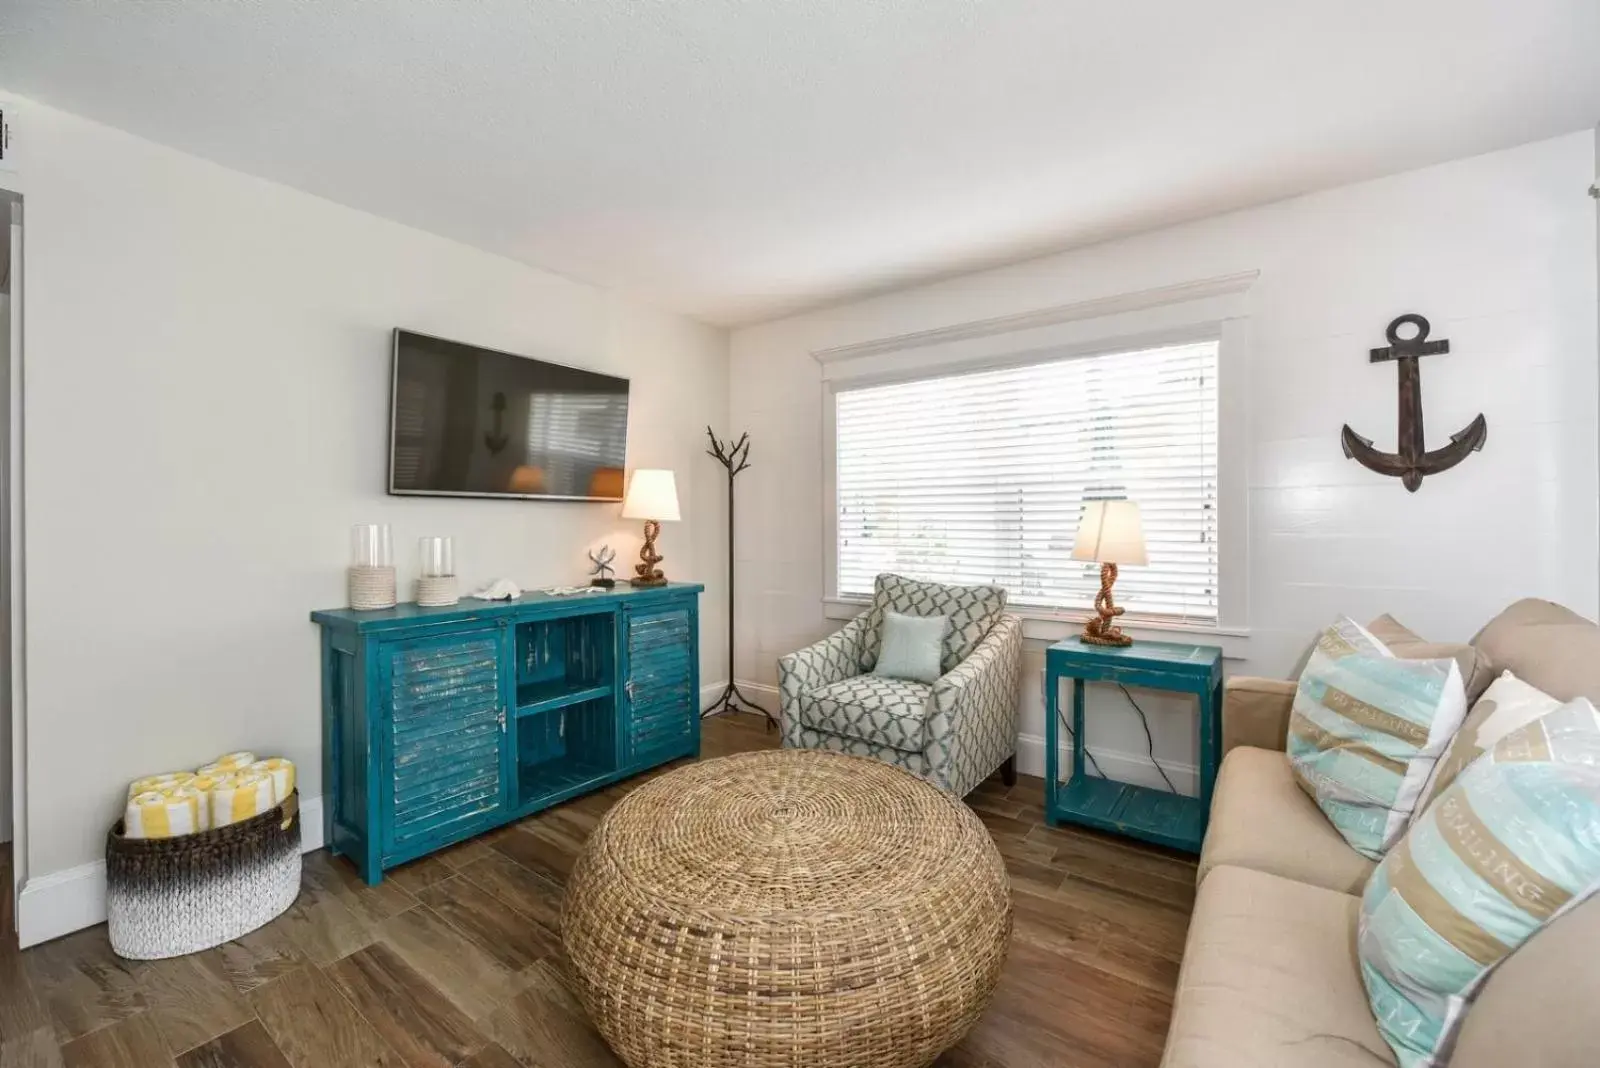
[
  {"x": 446, "y": 726},
  {"x": 662, "y": 713}
]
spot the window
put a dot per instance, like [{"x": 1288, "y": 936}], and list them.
[{"x": 980, "y": 477}]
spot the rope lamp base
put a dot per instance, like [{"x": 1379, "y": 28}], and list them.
[
  {"x": 645, "y": 572},
  {"x": 1102, "y": 630}
]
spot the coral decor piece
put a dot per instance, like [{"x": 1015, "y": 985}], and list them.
[{"x": 601, "y": 572}]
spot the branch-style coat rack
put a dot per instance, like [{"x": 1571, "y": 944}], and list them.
[
  {"x": 1412, "y": 460},
  {"x": 735, "y": 457}
]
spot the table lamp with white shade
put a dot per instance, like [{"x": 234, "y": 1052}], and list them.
[
  {"x": 653, "y": 497},
  {"x": 1109, "y": 533}
]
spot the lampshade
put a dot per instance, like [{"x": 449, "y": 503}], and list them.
[
  {"x": 1110, "y": 533},
  {"x": 651, "y": 495}
]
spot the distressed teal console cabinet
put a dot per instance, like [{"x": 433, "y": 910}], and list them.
[{"x": 440, "y": 723}]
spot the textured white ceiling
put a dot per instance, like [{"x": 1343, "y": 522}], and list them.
[{"x": 738, "y": 159}]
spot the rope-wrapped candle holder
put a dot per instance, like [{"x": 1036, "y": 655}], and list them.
[
  {"x": 436, "y": 585},
  {"x": 437, "y": 591},
  {"x": 371, "y": 588},
  {"x": 370, "y": 579}
]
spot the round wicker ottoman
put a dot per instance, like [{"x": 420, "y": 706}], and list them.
[{"x": 787, "y": 908}]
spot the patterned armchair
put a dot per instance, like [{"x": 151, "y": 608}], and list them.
[{"x": 954, "y": 733}]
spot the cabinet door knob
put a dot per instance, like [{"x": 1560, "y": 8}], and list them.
[
  {"x": 502, "y": 717},
  {"x": 628, "y": 688}
]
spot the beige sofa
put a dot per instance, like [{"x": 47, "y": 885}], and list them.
[{"x": 1270, "y": 976}]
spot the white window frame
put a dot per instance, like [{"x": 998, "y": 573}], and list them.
[{"x": 1210, "y": 310}]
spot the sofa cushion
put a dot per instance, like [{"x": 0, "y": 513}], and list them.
[
  {"x": 1537, "y": 1008},
  {"x": 1269, "y": 979},
  {"x": 972, "y": 611},
  {"x": 1402, "y": 641},
  {"x": 886, "y": 712},
  {"x": 1261, "y": 819},
  {"x": 1510, "y": 845},
  {"x": 1256, "y": 712},
  {"x": 1366, "y": 731},
  {"x": 1547, "y": 646}
]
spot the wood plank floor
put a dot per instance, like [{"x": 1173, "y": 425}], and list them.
[{"x": 456, "y": 961}]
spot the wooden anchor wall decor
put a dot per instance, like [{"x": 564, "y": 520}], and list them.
[{"x": 1411, "y": 461}]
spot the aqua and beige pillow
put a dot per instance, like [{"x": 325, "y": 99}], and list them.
[
  {"x": 1366, "y": 730},
  {"x": 1407, "y": 644},
  {"x": 1508, "y": 703},
  {"x": 1513, "y": 843},
  {"x": 911, "y": 647}
]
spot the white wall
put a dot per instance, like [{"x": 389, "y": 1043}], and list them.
[
  {"x": 207, "y": 376},
  {"x": 1499, "y": 252},
  {"x": 5, "y": 529}
]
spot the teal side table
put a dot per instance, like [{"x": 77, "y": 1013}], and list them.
[{"x": 1135, "y": 811}]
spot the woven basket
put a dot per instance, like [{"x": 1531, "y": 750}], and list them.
[
  {"x": 169, "y": 896},
  {"x": 787, "y": 909}
]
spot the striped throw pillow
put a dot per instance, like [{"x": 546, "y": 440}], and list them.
[
  {"x": 1510, "y": 845},
  {"x": 1366, "y": 731},
  {"x": 1507, "y": 704}
]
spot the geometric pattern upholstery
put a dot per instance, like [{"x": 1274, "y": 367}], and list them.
[
  {"x": 870, "y": 708},
  {"x": 966, "y": 726},
  {"x": 971, "y": 611},
  {"x": 973, "y": 727}
]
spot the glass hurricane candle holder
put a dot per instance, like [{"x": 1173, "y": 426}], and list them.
[
  {"x": 436, "y": 580},
  {"x": 371, "y": 545},
  {"x": 438, "y": 557}
]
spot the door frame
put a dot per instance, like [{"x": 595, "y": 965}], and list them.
[{"x": 15, "y": 801}]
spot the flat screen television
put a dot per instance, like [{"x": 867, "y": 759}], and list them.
[{"x": 471, "y": 422}]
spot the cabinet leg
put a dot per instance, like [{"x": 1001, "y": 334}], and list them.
[{"x": 1008, "y": 770}]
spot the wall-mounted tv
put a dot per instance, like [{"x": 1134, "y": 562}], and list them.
[{"x": 471, "y": 422}]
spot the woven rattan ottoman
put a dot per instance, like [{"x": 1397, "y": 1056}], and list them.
[{"x": 787, "y": 908}]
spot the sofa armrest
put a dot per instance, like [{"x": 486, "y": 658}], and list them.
[
  {"x": 1256, "y": 712},
  {"x": 834, "y": 659},
  {"x": 972, "y": 718}
]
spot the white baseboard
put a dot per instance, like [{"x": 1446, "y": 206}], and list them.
[
  {"x": 1135, "y": 768},
  {"x": 61, "y": 902}
]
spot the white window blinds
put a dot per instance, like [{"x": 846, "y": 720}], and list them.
[{"x": 980, "y": 478}]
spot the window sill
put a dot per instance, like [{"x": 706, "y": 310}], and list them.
[{"x": 1043, "y": 625}]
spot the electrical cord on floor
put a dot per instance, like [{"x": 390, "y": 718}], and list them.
[{"x": 1150, "y": 742}]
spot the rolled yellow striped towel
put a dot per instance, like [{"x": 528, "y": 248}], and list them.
[
  {"x": 282, "y": 772},
  {"x": 164, "y": 813},
  {"x": 153, "y": 782},
  {"x": 241, "y": 796},
  {"x": 228, "y": 762},
  {"x": 206, "y": 783}
]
